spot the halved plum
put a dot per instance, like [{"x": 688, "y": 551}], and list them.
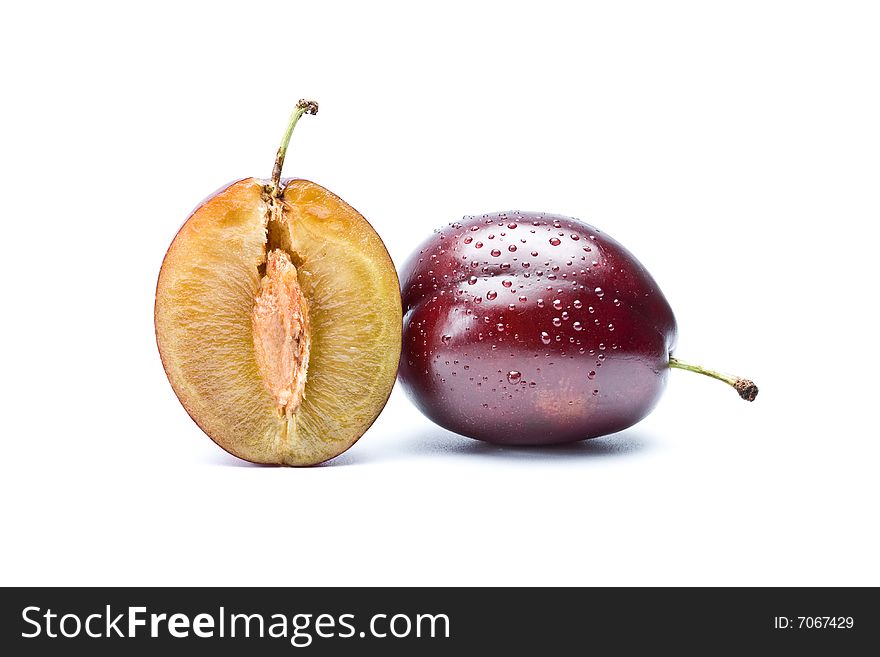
[{"x": 278, "y": 319}]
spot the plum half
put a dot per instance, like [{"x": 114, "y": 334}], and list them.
[
  {"x": 526, "y": 328},
  {"x": 278, "y": 319}
]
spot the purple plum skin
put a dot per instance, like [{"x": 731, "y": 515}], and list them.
[{"x": 524, "y": 328}]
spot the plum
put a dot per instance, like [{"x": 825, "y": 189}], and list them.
[
  {"x": 260, "y": 321},
  {"x": 526, "y": 328}
]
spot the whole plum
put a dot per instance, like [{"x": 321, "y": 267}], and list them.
[{"x": 528, "y": 328}]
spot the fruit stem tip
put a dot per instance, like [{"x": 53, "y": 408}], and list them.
[
  {"x": 746, "y": 389},
  {"x": 310, "y": 106}
]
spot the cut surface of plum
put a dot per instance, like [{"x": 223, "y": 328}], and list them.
[{"x": 278, "y": 321}]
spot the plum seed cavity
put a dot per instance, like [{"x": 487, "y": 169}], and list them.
[{"x": 281, "y": 335}]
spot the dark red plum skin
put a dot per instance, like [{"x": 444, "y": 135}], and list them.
[{"x": 525, "y": 328}]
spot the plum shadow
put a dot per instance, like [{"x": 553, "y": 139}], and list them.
[
  {"x": 440, "y": 442},
  {"x": 225, "y": 460}
]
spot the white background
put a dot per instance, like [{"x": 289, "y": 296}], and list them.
[{"x": 734, "y": 148}]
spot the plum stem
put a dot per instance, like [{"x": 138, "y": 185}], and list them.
[
  {"x": 302, "y": 107},
  {"x": 746, "y": 388}
]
